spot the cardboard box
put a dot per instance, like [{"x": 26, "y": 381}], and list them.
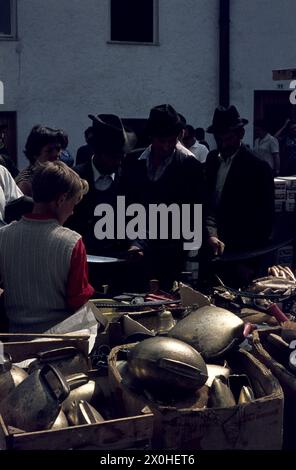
[
  {"x": 263, "y": 351},
  {"x": 279, "y": 184},
  {"x": 122, "y": 432},
  {"x": 280, "y": 194},
  {"x": 289, "y": 180},
  {"x": 290, "y": 206},
  {"x": 254, "y": 425},
  {"x": 291, "y": 193},
  {"x": 279, "y": 206}
]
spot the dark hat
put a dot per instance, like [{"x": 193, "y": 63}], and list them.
[
  {"x": 183, "y": 121},
  {"x": 164, "y": 121},
  {"x": 108, "y": 132},
  {"x": 226, "y": 119}
]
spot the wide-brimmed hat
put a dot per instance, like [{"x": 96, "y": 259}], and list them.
[
  {"x": 164, "y": 121},
  {"x": 108, "y": 133},
  {"x": 226, "y": 119}
]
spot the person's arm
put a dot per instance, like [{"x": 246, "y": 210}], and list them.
[
  {"x": 282, "y": 129},
  {"x": 274, "y": 150},
  {"x": 9, "y": 186},
  {"x": 276, "y": 161},
  {"x": 78, "y": 289},
  {"x": 203, "y": 153},
  {"x": 26, "y": 187}
]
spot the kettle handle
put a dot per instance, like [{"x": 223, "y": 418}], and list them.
[
  {"x": 55, "y": 382},
  {"x": 76, "y": 380},
  {"x": 180, "y": 368},
  {"x": 58, "y": 354}
]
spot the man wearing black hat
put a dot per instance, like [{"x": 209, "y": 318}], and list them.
[
  {"x": 163, "y": 173},
  {"x": 240, "y": 186},
  {"x": 109, "y": 143}
]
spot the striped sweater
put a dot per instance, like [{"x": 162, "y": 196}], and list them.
[{"x": 35, "y": 257}]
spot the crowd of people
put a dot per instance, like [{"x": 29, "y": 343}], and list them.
[{"x": 43, "y": 262}]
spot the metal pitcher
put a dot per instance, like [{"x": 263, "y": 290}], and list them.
[
  {"x": 10, "y": 375},
  {"x": 36, "y": 402}
]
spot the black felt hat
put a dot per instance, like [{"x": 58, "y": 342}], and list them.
[
  {"x": 108, "y": 132},
  {"x": 226, "y": 119},
  {"x": 164, "y": 121}
]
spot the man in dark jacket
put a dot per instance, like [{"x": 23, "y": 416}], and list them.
[
  {"x": 101, "y": 172},
  {"x": 163, "y": 174},
  {"x": 240, "y": 189}
]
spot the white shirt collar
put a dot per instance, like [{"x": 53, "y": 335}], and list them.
[
  {"x": 229, "y": 159},
  {"x": 96, "y": 172}
]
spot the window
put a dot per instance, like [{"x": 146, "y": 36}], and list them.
[
  {"x": 134, "y": 21},
  {"x": 7, "y": 19}
]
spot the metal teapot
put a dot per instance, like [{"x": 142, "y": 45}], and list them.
[
  {"x": 162, "y": 361},
  {"x": 36, "y": 402},
  {"x": 10, "y": 375}
]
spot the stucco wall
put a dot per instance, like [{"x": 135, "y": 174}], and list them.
[
  {"x": 263, "y": 37},
  {"x": 62, "y": 67}
]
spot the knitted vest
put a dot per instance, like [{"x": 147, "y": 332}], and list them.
[{"x": 35, "y": 257}]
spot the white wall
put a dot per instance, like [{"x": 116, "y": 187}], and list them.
[
  {"x": 62, "y": 68},
  {"x": 263, "y": 36}
]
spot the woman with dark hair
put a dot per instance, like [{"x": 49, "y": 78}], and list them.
[
  {"x": 65, "y": 155},
  {"x": 43, "y": 145}
]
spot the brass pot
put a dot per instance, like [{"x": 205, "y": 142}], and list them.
[{"x": 162, "y": 361}]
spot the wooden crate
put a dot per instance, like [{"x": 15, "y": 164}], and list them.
[
  {"x": 26, "y": 346},
  {"x": 264, "y": 352},
  {"x": 254, "y": 425},
  {"x": 120, "y": 432}
]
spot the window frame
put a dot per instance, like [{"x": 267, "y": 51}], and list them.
[
  {"x": 137, "y": 43},
  {"x": 13, "y": 23}
]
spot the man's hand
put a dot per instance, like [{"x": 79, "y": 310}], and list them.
[
  {"x": 135, "y": 253},
  {"x": 282, "y": 271},
  {"x": 216, "y": 245}
]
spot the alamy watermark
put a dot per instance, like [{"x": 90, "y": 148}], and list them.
[
  {"x": 158, "y": 222},
  {"x": 1, "y": 353},
  {"x": 1, "y": 92},
  {"x": 292, "y": 96}
]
